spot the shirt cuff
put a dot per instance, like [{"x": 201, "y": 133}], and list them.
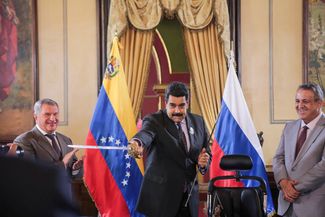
[{"x": 137, "y": 140}]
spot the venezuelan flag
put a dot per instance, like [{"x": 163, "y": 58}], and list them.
[
  {"x": 235, "y": 134},
  {"x": 112, "y": 177}
]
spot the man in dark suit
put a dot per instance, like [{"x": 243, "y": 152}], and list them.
[
  {"x": 299, "y": 162},
  {"x": 28, "y": 188},
  {"x": 44, "y": 143},
  {"x": 174, "y": 141}
]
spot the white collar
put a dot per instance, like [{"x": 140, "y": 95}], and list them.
[
  {"x": 42, "y": 131},
  {"x": 311, "y": 124}
]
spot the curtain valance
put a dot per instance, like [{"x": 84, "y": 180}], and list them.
[{"x": 146, "y": 15}]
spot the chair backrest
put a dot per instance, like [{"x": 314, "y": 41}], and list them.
[
  {"x": 237, "y": 201},
  {"x": 236, "y": 162}
]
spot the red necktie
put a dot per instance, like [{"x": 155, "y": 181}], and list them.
[{"x": 301, "y": 140}]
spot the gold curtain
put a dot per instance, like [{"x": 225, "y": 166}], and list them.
[
  {"x": 146, "y": 15},
  {"x": 206, "y": 33},
  {"x": 135, "y": 53},
  {"x": 208, "y": 69}
]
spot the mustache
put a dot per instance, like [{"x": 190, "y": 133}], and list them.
[{"x": 177, "y": 114}]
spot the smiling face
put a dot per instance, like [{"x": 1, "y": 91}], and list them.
[
  {"x": 307, "y": 106},
  {"x": 48, "y": 118},
  {"x": 176, "y": 108}
]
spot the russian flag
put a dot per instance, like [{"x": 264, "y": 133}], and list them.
[
  {"x": 112, "y": 177},
  {"x": 235, "y": 134}
]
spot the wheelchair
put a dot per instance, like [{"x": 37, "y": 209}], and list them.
[{"x": 236, "y": 201}]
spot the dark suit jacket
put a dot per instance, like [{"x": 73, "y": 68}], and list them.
[
  {"x": 28, "y": 188},
  {"x": 308, "y": 169},
  {"x": 168, "y": 167},
  {"x": 36, "y": 146}
]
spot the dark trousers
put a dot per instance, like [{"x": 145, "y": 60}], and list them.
[{"x": 184, "y": 211}]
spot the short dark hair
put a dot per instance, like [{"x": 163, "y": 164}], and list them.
[
  {"x": 315, "y": 88},
  {"x": 177, "y": 89},
  {"x": 39, "y": 103}
]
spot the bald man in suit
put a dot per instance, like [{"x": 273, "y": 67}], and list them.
[
  {"x": 299, "y": 162},
  {"x": 45, "y": 144}
]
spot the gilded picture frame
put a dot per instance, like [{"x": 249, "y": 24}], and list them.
[
  {"x": 314, "y": 41},
  {"x": 18, "y": 67}
]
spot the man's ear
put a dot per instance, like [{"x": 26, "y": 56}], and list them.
[
  {"x": 321, "y": 103},
  {"x": 35, "y": 117}
]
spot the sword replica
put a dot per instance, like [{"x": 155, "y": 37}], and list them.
[{"x": 123, "y": 148}]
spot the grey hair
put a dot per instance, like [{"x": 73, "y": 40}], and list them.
[
  {"x": 315, "y": 88},
  {"x": 39, "y": 103}
]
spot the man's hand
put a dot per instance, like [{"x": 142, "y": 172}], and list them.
[
  {"x": 288, "y": 189},
  {"x": 217, "y": 211},
  {"x": 78, "y": 164},
  {"x": 203, "y": 158},
  {"x": 68, "y": 157},
  {"x": 12, "y": 149},
  {"x": 135, "y": 149}
]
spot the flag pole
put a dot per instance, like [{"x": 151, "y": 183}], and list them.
[
  {"x": 230, "y": 61},
  {"x": 209, "y": 153}
]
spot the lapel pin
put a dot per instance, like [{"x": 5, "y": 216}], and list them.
[{"x": 191, "y": 131}]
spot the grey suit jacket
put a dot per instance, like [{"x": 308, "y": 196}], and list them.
[
  {"x": 37, "y": 147},
  {"x": 168, "y": 167},
  {"x": 308, "y": 169}
]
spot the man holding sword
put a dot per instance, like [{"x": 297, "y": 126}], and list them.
[{"x": 175, "y": 142}]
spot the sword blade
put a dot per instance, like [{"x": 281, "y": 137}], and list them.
[{"x": 99, "y": 147}]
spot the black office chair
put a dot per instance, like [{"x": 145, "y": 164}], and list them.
[{"x": 237, "y": 201}]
